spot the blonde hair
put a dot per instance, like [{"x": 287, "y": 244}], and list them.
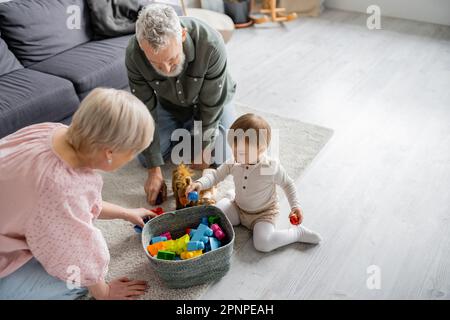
[
  {"x": 249, "y": 124},
  {"x": 111, "y": 118}
]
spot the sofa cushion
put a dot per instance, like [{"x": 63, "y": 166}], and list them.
[
  {"x": 8, "y": 62},
  {"x": 38, "y": 29},
  {"x": 90, "y": 65},
  {"x": 221, "y": 22},
  {"x": 28, "y": 97}
]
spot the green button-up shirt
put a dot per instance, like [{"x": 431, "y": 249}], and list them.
[{"x": 199, "y": 92}]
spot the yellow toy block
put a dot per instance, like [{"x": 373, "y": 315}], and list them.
[
  {"x": 178, "y": 245},
  {"x": 190, "y": 254}
]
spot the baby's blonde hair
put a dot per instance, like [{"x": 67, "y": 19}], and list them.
[
  {"x": 249, "y": 123},
  {"x": 111, "y": 118}
]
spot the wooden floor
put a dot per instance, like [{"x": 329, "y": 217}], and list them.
[{"x": 379, "y": 193}]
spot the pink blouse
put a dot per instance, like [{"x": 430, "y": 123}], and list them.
[{"x": 47, "y": 209}]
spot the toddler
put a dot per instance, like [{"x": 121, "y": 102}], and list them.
[{"x": 255, "y": 176}]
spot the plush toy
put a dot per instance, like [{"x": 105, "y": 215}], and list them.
[{"x": 181, "y": 179}]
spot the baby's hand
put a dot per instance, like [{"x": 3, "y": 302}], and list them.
[
  {"x": 297, "y": 212},
  {"x": 195, "y": 186}
]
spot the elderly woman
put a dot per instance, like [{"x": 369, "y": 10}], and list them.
[{"x": 50, "y": 195}]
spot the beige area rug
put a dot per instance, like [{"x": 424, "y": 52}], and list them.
[{"x": 299, "y": 144}]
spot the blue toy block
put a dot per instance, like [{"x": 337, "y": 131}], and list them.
[
  {"x": 214, "y": 243},
  {"x": 192, "y": 196},
  {"x": 137, "y": 228},
  {"x": 202, "y": 233},
  {"x": 158, "y": 239},
  {"x": 195, "y": 245},
  {"x": 191, "y": 233},
  {"x": 205, "y": 221}
]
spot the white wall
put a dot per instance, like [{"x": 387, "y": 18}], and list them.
[{"x": 434, "y": 11}]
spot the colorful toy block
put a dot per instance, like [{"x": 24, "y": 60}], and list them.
[
  {"x": 190, "y": 254},
  {"x": 218, "y": 232},
  {"x": 159, "y": 198},
  {"x": 191, "y": 232},
  {"x": 159, "y": 211},
  {"x": 213, "y": 219},
  {"x": 202, "y": 233},
  {"x": 178, "y": 245},
  {"x": 205, "y": 221},
  {"x": 137, "y": 228},
  {"x": 195, "y": 245},
  {"x": 192, "y": 196},
  {"x": 167, "y": 235},
  {"x": 158, "y": 239},
  {"x": 182, "y": 243},
  {"x": 294, "y": 219},
  {"x": 154, "y": 248},
  {"x": 213, "y": 243},
  {"x": 165, "y": 255}
]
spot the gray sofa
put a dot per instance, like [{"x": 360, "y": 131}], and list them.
[{"x": 49, "y": 61}]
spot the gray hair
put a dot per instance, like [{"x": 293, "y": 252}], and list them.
[{"x": 157, "y": 24}]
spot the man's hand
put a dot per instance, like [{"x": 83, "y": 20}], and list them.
[{"x": 154, "y": 184}]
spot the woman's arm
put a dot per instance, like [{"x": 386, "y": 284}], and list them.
[
  {"x": 118, "y": 289},
  {"x": 112, "y": 211}
]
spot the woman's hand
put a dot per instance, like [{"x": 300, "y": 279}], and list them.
[
  {"x": 119, "y": 289},
  {"x": 136, "y": 216},
  {"x": 195, "y": 186},
  {"x": 297, "y": 212}
]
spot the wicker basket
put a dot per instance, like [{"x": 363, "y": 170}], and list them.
[{"x": 209, "y": 266}]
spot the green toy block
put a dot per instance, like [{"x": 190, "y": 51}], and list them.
[
  {"x": 213, "y": 219},
  {"x": 165, "y": 255}
]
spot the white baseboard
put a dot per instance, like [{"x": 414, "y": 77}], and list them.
[{"x": 433, "y": 11}]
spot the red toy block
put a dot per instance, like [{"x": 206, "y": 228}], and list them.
[
  {"x": 294, "y": 220},
  {"x": 159, "y": 211}
]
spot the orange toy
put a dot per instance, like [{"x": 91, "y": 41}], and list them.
[{"x": 181, "y": 179}]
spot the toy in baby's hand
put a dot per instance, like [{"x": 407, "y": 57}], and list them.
[
  {"x": 181, "y": 179},
  {"x": 294, "y": 219},
  {"x": 193, "y": 196}
]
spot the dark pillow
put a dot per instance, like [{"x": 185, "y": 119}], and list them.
[
  {"x": 38, "y": 29},
  {"x": 8, "y": 63},
  {"x": 116, "y": 18}
]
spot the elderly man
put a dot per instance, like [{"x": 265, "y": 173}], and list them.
[{"x": 178, "y": 67}]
